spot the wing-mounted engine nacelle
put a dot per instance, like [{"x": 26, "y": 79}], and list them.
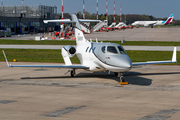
[{"x": 68, "y": 51}]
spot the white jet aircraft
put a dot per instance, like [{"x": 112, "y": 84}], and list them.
[
  {"x": 94, "y": 56},
  {"x": 154, "y": 23}
]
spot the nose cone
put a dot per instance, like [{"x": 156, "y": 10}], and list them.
[
  {"x": 121, "y": 61},
  {"x": 133, "y": 24},
  {"x": 125, "y": 62}
]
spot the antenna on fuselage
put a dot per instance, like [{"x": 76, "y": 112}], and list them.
[{"x": 96, "y": 40}]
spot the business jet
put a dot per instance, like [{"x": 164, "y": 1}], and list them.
[
  {"x": 154, "y": 23},
  {"x": 94, "y": 56}
]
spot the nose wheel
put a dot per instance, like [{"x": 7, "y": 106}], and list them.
[
  {"x": 121, "y": 77},
  {"x": 73, "y": 73}
]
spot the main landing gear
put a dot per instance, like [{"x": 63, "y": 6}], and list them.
[{"x": 73, "y": 72}]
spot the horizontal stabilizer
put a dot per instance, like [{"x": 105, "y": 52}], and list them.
[
  {"x": 87, "y": 20},
  {"x": 59, "y": 20},
  {"x": 70, "y": 21}
]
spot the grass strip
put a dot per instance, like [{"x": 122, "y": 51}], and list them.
[
  {"x": 72, "y": 42},
  {"x": 33, "y": 42},
  {"x": 54, "y": 56}
]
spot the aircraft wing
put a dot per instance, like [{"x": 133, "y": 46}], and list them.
[
  {"x": 47, "y": 66},
  {"x": 158, "y": 62}
]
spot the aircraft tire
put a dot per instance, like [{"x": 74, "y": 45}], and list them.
[
  {"x": 115, "y": 73},
  {"x": 72, "y": 73},
  {"x": 122, "y": 79}
]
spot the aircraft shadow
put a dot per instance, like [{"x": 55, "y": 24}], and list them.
[
  {"x": 131, "y": 77},
  {"x": 134, "y": 77},
  {"x": 137, "y": 73}
]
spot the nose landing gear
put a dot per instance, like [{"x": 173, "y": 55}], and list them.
[
  {"x": 120, "y": 75},
  {"x": 122, "y": 79}
]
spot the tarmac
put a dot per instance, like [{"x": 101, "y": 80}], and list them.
[
  {"x": 135, "y": 34},
  {"x": 153, "y": 93},
  {"x": 139, "y": 34}
]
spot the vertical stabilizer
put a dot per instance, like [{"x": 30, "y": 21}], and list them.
[
  {"x": 169, "y": 20},
  {"x": 78, "y": 31}
]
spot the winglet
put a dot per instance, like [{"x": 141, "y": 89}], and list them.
[
  {"x": 6, "y": 59},
  {"x": 174, "y": 55}
]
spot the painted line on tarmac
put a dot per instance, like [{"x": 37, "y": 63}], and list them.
[
  {"x": 6, "y": 101},
  {"x": 160, "y": 115},
  {"x": 63, "y": 111}
]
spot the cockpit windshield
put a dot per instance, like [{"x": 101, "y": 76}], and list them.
[
  {"x": 121, "y": 50},
  {"x": 111, "y": 49}
]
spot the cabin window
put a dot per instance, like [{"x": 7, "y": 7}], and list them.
[
  {"x": 121, "y": 50},
  {"x": 111, "y": 49},
  {"x": 103, "y": 49}
]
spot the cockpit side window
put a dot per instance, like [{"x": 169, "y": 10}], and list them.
[
  {"x": 103, "y": 49},
  {"x": 111, "y": 49},
  {"x": 121, "y": 50}
]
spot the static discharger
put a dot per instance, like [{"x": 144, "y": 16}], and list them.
[{"x": 123, "y": 83}]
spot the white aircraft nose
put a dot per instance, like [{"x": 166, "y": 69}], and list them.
[
  {"x": 127, "y": 64},
  {"x": 122, "y": 61}
]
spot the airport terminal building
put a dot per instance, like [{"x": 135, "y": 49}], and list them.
[{"x": 26, "y": 19}]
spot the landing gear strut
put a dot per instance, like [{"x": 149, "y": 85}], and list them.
[
  {"x": 120, "y": 75},
  {"x": 73, "y": 73}
]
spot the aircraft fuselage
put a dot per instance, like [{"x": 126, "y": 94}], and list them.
[{"x": 103, "y": 57}]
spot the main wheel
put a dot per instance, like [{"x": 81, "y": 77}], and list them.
[
  {"x": 122, "y": 79},
  {"x": 115, "y": 73},
  {"x": 72, "y": 73}
]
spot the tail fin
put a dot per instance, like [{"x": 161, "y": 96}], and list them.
[
  {"x": 169, "y": 20},
  {"x": 78, "y": 31}
]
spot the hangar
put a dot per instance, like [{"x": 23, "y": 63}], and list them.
[{"x": 26, "y": 19}]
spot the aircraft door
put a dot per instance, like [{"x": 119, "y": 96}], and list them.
[{"x": 100, "y": 53}]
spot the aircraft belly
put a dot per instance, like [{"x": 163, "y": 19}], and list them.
[{"x": 114, "y": 68}]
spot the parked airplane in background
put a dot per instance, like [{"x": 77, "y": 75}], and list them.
[
  {"x": 154, "y": 23},
  {"x": 94, "y": 56}
]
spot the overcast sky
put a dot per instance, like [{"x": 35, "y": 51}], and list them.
[{"x": 157, "y": 8}]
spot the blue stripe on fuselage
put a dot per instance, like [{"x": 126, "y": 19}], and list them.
[{"x": 163, "y": 21}]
